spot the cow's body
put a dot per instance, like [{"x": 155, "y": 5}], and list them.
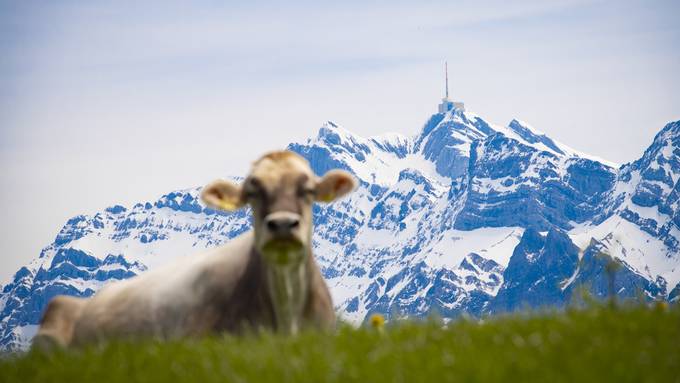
[{"x": 229, "y": 288}]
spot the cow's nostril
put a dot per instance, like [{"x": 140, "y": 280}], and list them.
[
  {"x": 282, "y": 223},
  {"x": 279, "y": 225}
]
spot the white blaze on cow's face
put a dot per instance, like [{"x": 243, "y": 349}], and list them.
[{"x": 280, "y": 189}]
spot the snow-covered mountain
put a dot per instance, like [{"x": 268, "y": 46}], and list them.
[{"x": 464, "y": 217}]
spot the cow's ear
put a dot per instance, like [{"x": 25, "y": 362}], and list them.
[
  {"x": 222, "y": 195},
  {"x": 334, "y": 184}
]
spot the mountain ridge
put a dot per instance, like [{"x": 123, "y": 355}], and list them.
[{"x": 443, "y": 220}]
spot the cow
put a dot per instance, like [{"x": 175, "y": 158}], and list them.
[{"x": 266, "y": 278}]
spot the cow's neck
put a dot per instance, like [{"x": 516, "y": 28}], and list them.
[{"x": 288, "y": 290}]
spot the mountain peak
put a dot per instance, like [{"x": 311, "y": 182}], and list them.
[
  {"x": 519, "y": 124},
  {"x": 529, "y": 135},
  {"x": 669, "y": 132},
  {"x": 534, "y": 136},
  {"x": 335, "y": 134}
]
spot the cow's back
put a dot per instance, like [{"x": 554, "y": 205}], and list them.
[{"x": 168, "y": 302}]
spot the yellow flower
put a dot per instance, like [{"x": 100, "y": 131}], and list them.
[{"x": 377, "y": 321}]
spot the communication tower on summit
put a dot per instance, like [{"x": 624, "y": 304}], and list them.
[
  {"x": 447, "y": 104},
  {"x": 446, "y": 74}
]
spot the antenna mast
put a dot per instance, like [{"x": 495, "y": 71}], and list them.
[{"x": 446, "y": 72}]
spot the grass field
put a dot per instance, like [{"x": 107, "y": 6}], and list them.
[{"x": 633, "y": 344}]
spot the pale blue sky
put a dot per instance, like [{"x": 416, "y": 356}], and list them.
[{"x": 117, "y": 102}]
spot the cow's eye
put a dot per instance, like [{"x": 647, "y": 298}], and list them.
[
  {"x": 306, "y": 192},
  {"x": 253, "y": 193},
  {"x": 253, "y": 190}
]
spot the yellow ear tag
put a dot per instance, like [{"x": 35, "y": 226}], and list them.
[
  {"x": 327, "y": 197},
  {"x": 228, "y": 205}
]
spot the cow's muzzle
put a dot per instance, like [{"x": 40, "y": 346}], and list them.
[
  {"x": 282, "y": 224},
  {"x": 282, "y": 243}
]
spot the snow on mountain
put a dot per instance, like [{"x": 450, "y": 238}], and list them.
[{"x": 464, "y": 217}]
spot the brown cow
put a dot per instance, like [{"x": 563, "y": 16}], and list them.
[{"x": 265, "y": 278}]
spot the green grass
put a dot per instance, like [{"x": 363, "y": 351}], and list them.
[{"x": 633, "y": 344}]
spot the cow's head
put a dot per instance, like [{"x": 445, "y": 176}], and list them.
[{"x": 280, "y": 189}]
